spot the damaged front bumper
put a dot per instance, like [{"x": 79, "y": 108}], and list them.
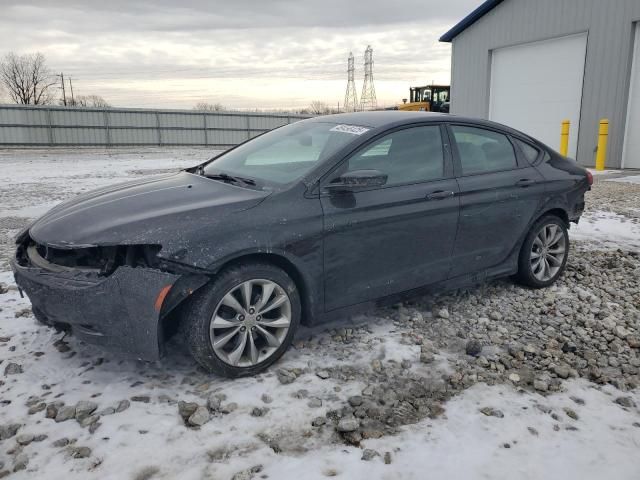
[{"x": 118, "y": 311}]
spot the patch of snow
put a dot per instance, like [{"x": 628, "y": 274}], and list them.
[
  {"x": 629, "y": 179},
  {"x": 607, "y": 230},
  {"x": 29, "y": 211},
  {"x": 595, "y": 172},
  {"x": 61, "y": 173},
  {"x": 469, "y": 445},
  {"x": 466, "y": 444}
]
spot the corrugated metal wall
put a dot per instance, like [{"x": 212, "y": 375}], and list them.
[
  {"x": 609, "y": 26},
  {"x": 49, "y": 126}
]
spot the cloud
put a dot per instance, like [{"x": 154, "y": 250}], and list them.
[
  {"x": 244, "y": 53},
  {"x": 193, "y": 15}
]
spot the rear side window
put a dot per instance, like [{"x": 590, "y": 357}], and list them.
[
  {"x": 411, "y": 155},
  {"x": 483, "y": 151},
  {"x": 530, "y": 153}
]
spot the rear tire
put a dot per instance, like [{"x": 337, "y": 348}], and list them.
[
  {"x": 544, "y": 253},
  {"x": 223, "y": 326}
]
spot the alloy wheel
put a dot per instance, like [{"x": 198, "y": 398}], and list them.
[
  {"x": 250, "y": 322},
  {"x": 548, "y": 252}
]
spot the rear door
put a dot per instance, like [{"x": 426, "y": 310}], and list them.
[
  {"x": 400, "y": 236},
  {"x": 499, "y": 194}
]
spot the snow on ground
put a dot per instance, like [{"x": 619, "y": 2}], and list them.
[
  {"x": 535, "y": 439},
  {"x": 465, "y": 445},
  {"x": 627, "y": 179},
  {"x": 603, "y": 172},
  {"x": 52, "y": 175},
  {"x": 146, "y": 434},
  {"x": 602, "y": 229},
  {"x": 271, "y": 426}
]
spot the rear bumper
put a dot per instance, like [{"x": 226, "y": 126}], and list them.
[
  {"x": 116, "y": 312},
  {"x": 577, "y": 212}
]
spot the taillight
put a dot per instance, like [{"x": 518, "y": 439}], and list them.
[{"x": 589, "y": 178}]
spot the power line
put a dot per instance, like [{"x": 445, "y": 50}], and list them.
[{"x": 328, "y": 71}]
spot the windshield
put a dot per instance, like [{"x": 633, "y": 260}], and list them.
[{"x": 285, "y": 154}]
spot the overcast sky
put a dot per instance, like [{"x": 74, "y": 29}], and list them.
[{"x": 241, "y": 53}]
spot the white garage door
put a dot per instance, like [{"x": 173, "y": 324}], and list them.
[
  {"x": 631, "y": 154},
  {"x": 535, "y": 86}
]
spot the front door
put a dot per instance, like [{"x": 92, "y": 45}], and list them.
[{"x": 396, "y": 237}]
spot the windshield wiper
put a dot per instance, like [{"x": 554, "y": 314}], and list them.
[{"x": 230, "y": 178}]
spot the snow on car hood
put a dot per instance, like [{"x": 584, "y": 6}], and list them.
[{"x": 158, "y": 210}]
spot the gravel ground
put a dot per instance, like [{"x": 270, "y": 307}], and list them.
[
  {"x": 617, "y": 197},
  {"x": 568, "y": 355}
]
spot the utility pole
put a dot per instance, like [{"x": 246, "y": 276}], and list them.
[
  {"x": 368, "y": 98},
  {"x": 73, "y": 102},
  {"x": 350, "y": 95},
  {"x": 64, "y": 95}
]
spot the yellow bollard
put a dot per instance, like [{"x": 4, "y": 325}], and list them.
[
  {"x": 603, "y": 135},
  {"x": 564, "y": 137}
]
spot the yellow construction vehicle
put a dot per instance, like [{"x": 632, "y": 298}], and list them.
[{"x": 430, "y": 98}]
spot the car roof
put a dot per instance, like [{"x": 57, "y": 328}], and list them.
[
  {"x": 378, "y": 118},
  {"x": 393, "y": 118}
]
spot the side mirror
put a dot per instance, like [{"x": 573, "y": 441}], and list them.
[{"x": 357, "y": 180}]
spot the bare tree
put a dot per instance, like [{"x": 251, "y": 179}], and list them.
[
  {"x": 90, "y": 101},
  {"x": 209, "y": 107},
  {"x": 318, "y": 108},
  {"x": 27, "y": 79}
]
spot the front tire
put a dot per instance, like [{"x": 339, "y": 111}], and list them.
[
  {"x": 544, "y": 253},
  {"x": 244, "y": 321}
]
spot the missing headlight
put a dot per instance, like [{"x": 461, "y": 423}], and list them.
[{"x": 104, "y": 259}]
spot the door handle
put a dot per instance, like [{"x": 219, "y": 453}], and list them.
[
  {"x": 440, "y": 194},
  {"x": 525, "y": 182}
]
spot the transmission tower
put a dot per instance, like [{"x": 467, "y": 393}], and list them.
[
  {"x": 350, "y": 96},
  {"x": 368, "y": 98}
]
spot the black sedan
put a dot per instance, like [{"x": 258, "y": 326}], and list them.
[{"x": 309, "y": 221}]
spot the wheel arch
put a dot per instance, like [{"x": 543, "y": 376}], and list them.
[
  {"x": 283, "y": 263},
  {"x": 170, "y": 321},
  {"x": 556, "y": 211},
  {"x": 523, "y": 275}
]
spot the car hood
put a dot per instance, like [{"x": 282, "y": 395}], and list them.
[{"x": 160, "y": 210}]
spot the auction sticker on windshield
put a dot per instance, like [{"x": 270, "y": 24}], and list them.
[{"x": 352, "y": 129}]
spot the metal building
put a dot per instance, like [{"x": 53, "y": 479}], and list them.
[{"x": 531, "y": 64}]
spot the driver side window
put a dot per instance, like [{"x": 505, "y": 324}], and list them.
[{"x": 412, "y": 155}]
